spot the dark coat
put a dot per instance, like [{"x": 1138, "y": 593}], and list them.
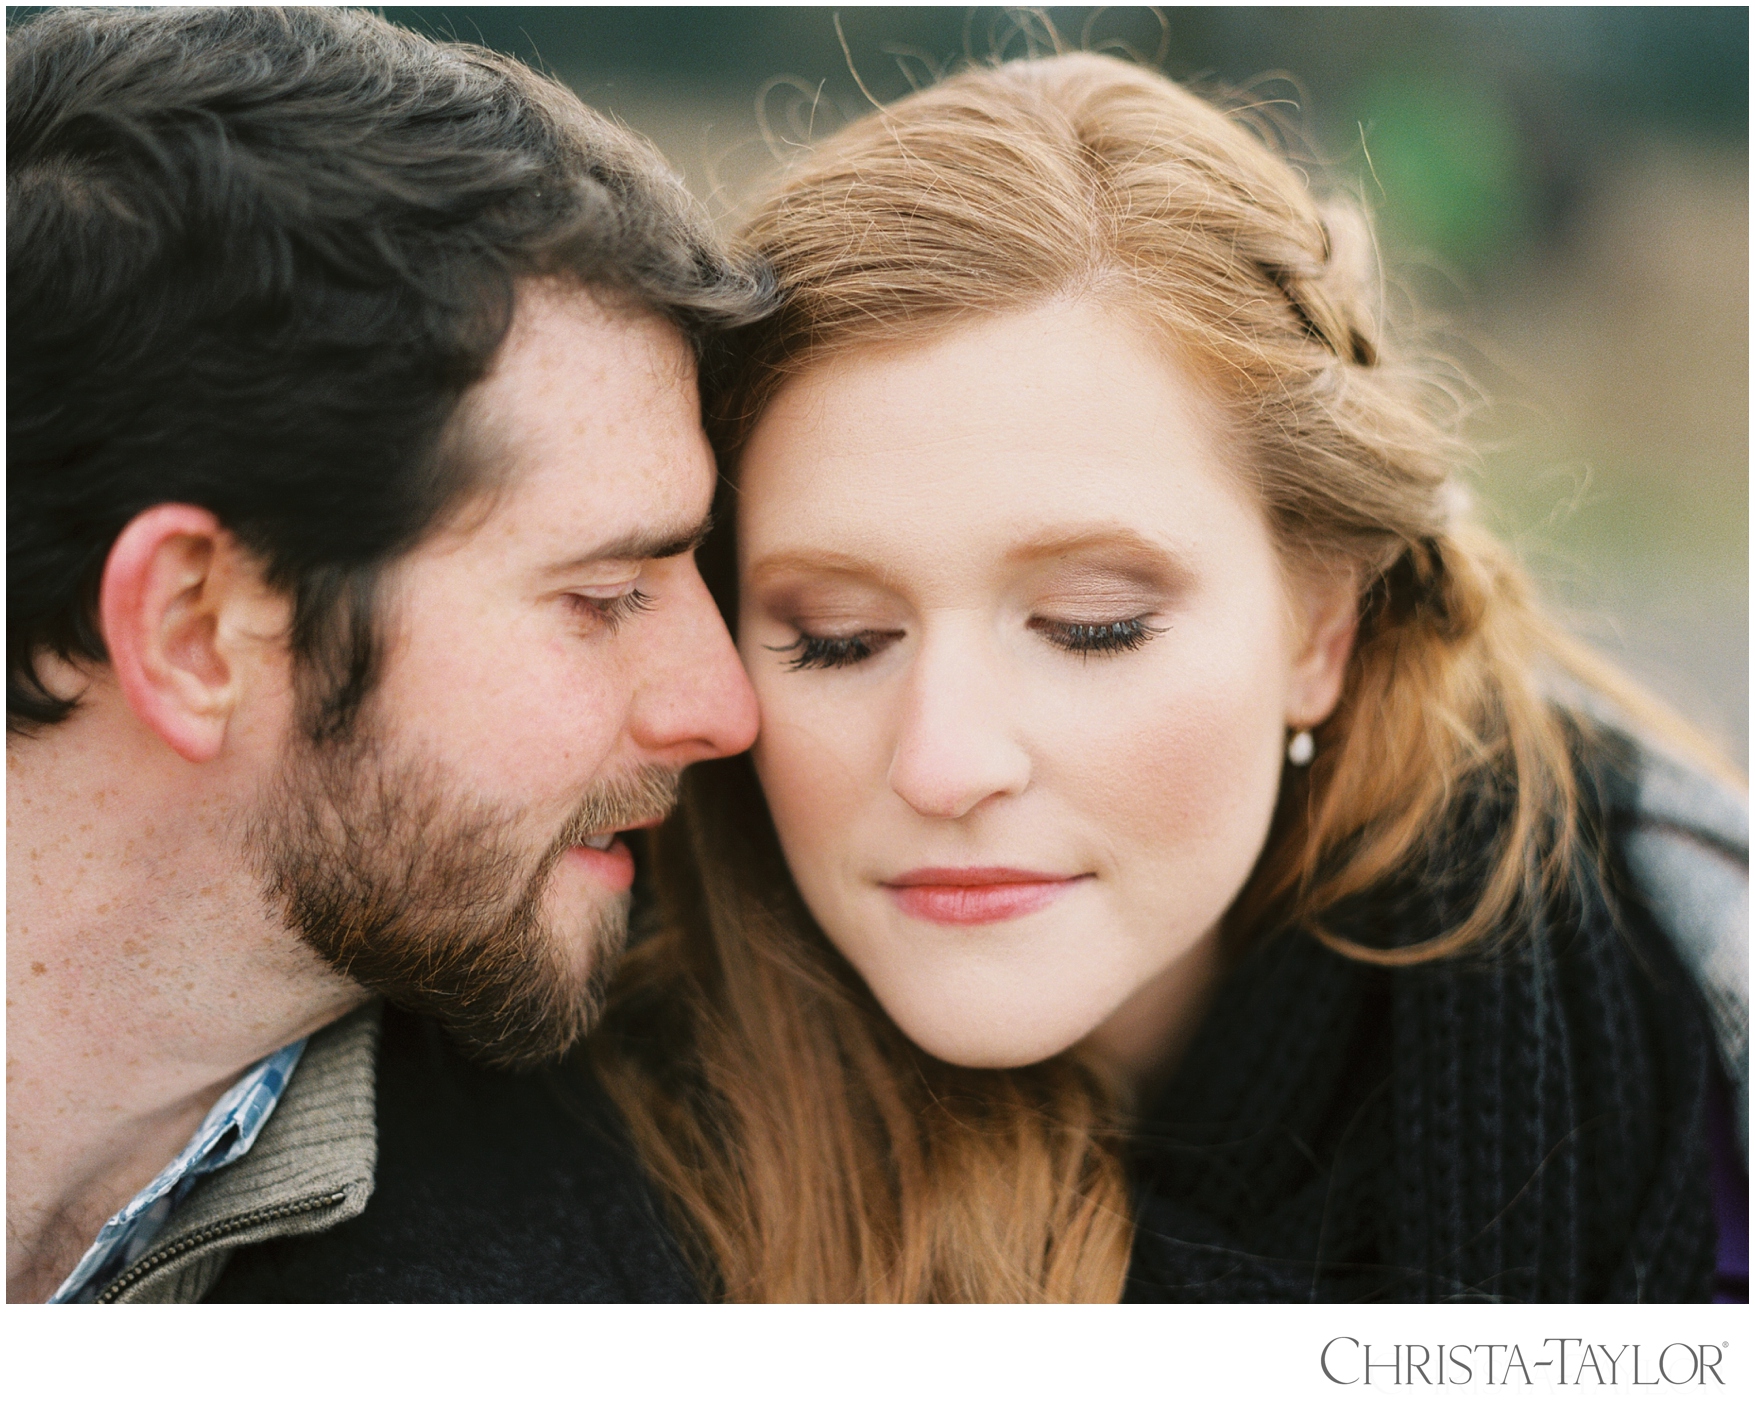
[{"x": 490, "y": 1188}]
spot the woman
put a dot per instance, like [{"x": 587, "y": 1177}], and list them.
[{"x": 1160, "y": 870}]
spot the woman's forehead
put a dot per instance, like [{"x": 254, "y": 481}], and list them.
[{"x": 1056, "y": 431}]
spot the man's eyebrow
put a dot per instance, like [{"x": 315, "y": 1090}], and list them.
[{"x": 643, "y": 546}]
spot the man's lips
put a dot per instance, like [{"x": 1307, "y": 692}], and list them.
[
  {"x": 607, "y": 858},
  {"x": 981, "y": 895}
]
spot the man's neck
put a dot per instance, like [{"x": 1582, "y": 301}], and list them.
[{"x": 145, "y": 973}]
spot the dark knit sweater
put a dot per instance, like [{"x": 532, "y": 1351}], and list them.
[
  {"x": 490, "y": 1188},
  {"x": 1527, "y": 1123}
]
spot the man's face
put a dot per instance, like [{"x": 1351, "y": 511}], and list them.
[{"x": 552, "y": 662}]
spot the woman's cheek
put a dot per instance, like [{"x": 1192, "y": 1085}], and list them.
[
  {"x": 1182, "y": 771},
  {"x": 811, "y": 758}
]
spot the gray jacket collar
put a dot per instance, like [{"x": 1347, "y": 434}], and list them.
[{"x": 311, "y": 1168}]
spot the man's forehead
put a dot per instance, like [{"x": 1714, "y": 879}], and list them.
[
  {"x": 586, "y": 435},
  {"x": 580, "y": 373},
  {"x": 562, "y": 330},
  {"x": 561, "y": 512}
]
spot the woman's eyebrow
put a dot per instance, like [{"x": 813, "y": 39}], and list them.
[
  {"x": 1119, "y": 549},
  {"x": 820, "y": 562}
]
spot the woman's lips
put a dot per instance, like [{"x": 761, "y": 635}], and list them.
[{"x": 976, "y": 895}]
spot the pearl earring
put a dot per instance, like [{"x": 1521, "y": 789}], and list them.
[{"x": 1301, "y": 748}]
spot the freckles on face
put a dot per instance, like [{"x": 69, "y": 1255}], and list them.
[
  {"x": 1023, "y": 653},
  {"x": 502, "y": 666}
]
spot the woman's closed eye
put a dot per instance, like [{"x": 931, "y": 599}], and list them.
[
  {"x": 1086, "y": 638},
  {"x": 810, "y": 651},
  {"x": 1079, "y": 637}
]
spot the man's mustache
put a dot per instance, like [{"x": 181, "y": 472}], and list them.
[{"x": 646, "y": 794}]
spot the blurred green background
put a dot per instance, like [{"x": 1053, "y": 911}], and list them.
[{"x": 1562, "y": 194}]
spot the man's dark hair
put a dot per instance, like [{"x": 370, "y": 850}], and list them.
[{"x": 255, "y": 258}]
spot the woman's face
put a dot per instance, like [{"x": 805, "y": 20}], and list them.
[{"x": 1026, "y": 659}]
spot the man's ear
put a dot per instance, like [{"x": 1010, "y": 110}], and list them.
[
  {"x": 1330, "y": 619},
  {"x": 184, "y": 615}
]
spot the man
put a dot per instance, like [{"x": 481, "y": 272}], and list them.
[{"x": 355, "y": 473}]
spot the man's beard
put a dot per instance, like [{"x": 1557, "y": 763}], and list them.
[{"x": 426, "y": 897}]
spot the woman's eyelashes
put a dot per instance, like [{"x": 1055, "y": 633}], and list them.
[
  {"x": 1083, "y": 638},
  {"x": 610, "y": 612},
  {"x": 1108, "y": 637},
  {"x": 810, "y": 651}
]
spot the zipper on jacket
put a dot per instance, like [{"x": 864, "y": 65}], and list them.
[{"x": 178, "y": 1248}]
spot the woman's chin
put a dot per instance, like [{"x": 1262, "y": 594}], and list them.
[{"x": 990, "y": 1039}]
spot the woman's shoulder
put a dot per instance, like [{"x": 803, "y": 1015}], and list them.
[{"x": 1680, "y": 838}]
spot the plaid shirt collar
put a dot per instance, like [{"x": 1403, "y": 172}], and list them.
[{"x": 226, "y": 1134}]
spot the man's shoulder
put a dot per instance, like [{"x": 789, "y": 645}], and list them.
[
  {"x": 491, "y": 1186},
  {"x": 311, "y": 1167}
]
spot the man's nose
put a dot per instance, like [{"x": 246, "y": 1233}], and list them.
[
  {"x": 956, "y": 745},
  {"x": 695, "y": 701}
]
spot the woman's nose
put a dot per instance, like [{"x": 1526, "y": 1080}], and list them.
[{"x": 957, "y": 745}]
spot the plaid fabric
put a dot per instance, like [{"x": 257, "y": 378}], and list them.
[{"x": 226, "y": 1134}]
